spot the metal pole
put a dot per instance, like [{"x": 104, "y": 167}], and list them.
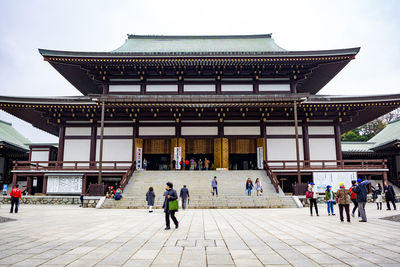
[
  {"x": 296, "y": 130},
  {"x": 99, "y": 181}
]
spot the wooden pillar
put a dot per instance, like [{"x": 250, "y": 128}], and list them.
[
  {"x": 293, "y": 88},
  {"x": 255, "y": 87},
  {"x": 180, "y": 88},
  {"x": 338, "y": 142},
  {"x": 177, "y": 142},
  {"x": 106, "y": 89},
  {"x": 261, "y": 143},
  {"x": 61, "y": 141},
  {"x": 93, "y": 141},
  {"x": 29, "y": 184},
  {"x": 296, "y": 131},
  {"x": 84, "y": 179},
  {"x": 44, "y": 188},
  {"x": 306, "y": 144},
  {"x": 103, "y": 107},
  {"x": 217, "y": 152},
  {"x": 225, "y": 153},
  {"x": 14, "y": 180},
  {"x": 218, "y": 88},
  {"x": 143, "y": 89}
]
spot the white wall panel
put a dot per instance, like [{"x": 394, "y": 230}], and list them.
[
  {"x": 154, "y": 131},
  {"x": 236, "y": 87},
  {"x": 199, "y": 130},
  {"x": 127, "y": 131},
  {"x": 274, "y": 87},
  {"x": 77, "y": 150},
  {"x": 282, "y": 130},
  {"x": 39, "y": 155},
  {"x": 134, "y": 88},
  {"x": 199, "y": 88},
  {"x": 322, "y": 149},
  {"x": 162, "y": 88},
  {"x": 321, "y": 130},
  {"x": 241, "y": 130},
  {"x": 77, "y": 131},
  {"x": 283, "y": 149},
  {"x": 115, "y": 149}
]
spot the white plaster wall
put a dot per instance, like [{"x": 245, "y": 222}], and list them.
[
  {"x": 236, "y": 87},
  {"x": 282, "y": 130},
  {"x": 39, "y": 155},
  {"x": 153, "y": 131},
  {"x": 241, "y": 130},
  {"x": 115, "y": 150},
  {"x": 77, "y": 131},
  {"x": 199, "y": 88},
  {"x": 162, "y": 88},
  {"x": 283, "y": 149},
  {"x": 134, "y": 88},
  {"x": 199, "y": 130},
  {"x": 322, "y": 149},
  {"x": 321, "y": 130},
  {"x": 126, "y": 131},
  {"x": 274, "y": 87},
  {"x": 77, "y": 150}
]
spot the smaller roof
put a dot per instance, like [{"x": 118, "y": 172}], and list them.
[
  {"x": 357, "y": 147},
  {"x": 9, "y": 135},
  {"x": 389, "y": 133}
]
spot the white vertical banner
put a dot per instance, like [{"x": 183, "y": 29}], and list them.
[
  {"x": 139, "y": 158},
  {"x": 260, "y": 157},
  {"x": 177, "y": 157},
  {"x": 323, "y": 179}
]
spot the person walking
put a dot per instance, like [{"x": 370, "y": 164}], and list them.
[
  {"x": 15, "y": 195},
  {"x": 150, "y": 197},
  {"x": 330, "y": 199},
  {"x": 361, "y": 190},
  {"x": 200, "y": 164},
  {"x": 214, "y": 186},
  {"x": 258, "y": 186},
  {"x": 353, "y": 198},
  {"x": 206, "y": 164},
  {"x": 343, "y": 197},
  {"x": 187, "y": 167},
  {"x": 184, "y": 195},
  {"x": 170, "y": 195},
  {"x": 312, "y": 195},
  {"x": 249, "y": 186},
  {"x": 377, "y": 195},
  {"x": 390, "y": 195}
]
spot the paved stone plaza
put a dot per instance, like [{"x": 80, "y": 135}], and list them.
[{"x": 66, "y": 235}]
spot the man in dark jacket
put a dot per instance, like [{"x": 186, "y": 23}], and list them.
[
  {"x": 361, "y": 190},
  {"x": 170, "y": 195},
  {"x": 389, "y": 195},
  {"x": 184, "y": 195}
]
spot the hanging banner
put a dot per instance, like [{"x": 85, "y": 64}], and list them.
[
  {"x": 323, "y": 179},
  {"x": 260, "y": 157},
  {"x": 139, "y": 158},
  {"x": 177, "y": 157}
]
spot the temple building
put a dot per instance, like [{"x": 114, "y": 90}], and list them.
[{"x": 239, "y": 101}]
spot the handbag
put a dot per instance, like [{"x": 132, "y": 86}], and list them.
[
  {"x": 173, "y": 205},
  {"x": 309, "y": 194}
]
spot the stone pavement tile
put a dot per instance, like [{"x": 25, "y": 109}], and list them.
[
  {"x": 296, "y": 258},
  {"x": 186, "y": 243},
  {"x": 355, "y": 261},
  {"x": 248, "y": 262},
  {"x": 81, "y": 250},
  {"x": 30, "y": 262},
  {"x": 271, "y": 258},
  {"x": 15, "y": 258},
  {"x": 235, "y": 243},
  {"x": 322, "y": 258},
  {"x": 145, "y": 254},
  {"x": 193, "y": 256},
  {"x": 376, "y": 258},
  {"x": 83, "y": 262},
  {"x": 216, "y": 250},
  {"x": 219, "y": 259},
  {"x": 138, "y": 263},
  {"x": 63, "y": 259},
  {"x": 169, "y": 256},
  {"x": 50, "y": 254},
  {"x": 306, "y": 249},
  {"x": 242, "y": 254},
  {"x": 205, "y": 243}
]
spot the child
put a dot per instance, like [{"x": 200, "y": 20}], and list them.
[{"x": 150, "y": 196}]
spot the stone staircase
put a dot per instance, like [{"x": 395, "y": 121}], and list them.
[{"x": 231, "y": 190}]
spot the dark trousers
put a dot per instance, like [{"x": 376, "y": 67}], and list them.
[
  {"x": 313, "y": 202},
  {"x": 184, "y": 200},
  {"x": 215, "y": 191},
  {"x": 14, "y": 201},
  {"x": 388, "y": 203},
  {"x": 347, "y": 209},
  {"x": 172, "y": 214},
  {"x": 355, "y": 207}
]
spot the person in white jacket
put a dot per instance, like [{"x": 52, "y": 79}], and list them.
[
  {"x": 258, "y": 186},
  {"x": 313, "y": 199}
]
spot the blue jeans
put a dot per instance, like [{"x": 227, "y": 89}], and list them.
[
  {"x": 215, "y": 191},
  {"x": 249, "y": 192},
  {"x": 330, "y": 207}
]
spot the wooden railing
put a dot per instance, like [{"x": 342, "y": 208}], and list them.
[
  {"x": 122, "y": 166},
  {"x": 327, "y": 164},
  {"x": 271, "y": 176},
  {"x": 127, "y": 176}
]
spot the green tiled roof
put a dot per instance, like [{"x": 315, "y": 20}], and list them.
[
  {"x": 350, "y": 146},
  {"x": 11, "y": 136},
  {"x": 198, "y": 44}
]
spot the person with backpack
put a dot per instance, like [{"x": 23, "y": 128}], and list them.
[
  {"x": 312, "y": 195},
  {"x": 15, "y": 195},
  {"x": 330, "y": 200},
  {"x": 343, "y": 201},
  {"x": 170, "y": 205},
  {"x": 353, "y": 198},
  {"x": 390, "y": 195},
  {"x": 361, "y": 190},
  {"x": 150, "y": 197}
]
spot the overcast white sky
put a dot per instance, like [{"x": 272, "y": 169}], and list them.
[{"x": 102, "y": 25}]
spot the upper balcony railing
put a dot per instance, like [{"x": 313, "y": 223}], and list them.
[
  {"x": 118, "y": 166},
  {"x": 327, "y": 164}
]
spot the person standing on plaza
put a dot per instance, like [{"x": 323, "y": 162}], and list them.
[
  {"x": 184, "y": 195},
  {"x": 330, "y": 199},
  {"x": 258, "y": 186},
  {"x": 15, "y": 195},
  {"x": 377, "y": 193},
  {"x": 313, "y": 197},
  {"x": 206, "y": 164},
  {"x": 150, "y": 197},
  {"x": 343, "y": 197},
  {"x": 249, "y": 186},
  {"x": 200, "y": 164},
  {"x": 144, "y": 164},
  {"x": 361, "y": 190},
  {"x": 214, "y": 186},
  {"x": 170, "y": 196},
  {"x": 353, "y": 198},
  {"x": 390, "y": 195},
  {"x": 187, "y": 167}
]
